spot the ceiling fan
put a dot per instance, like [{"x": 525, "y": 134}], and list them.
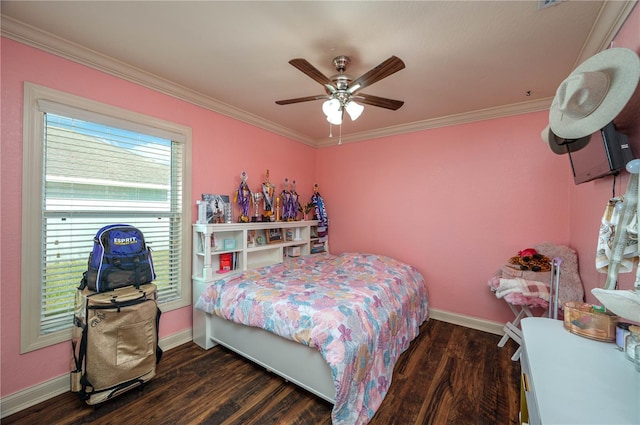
[{"x": 342, "y": 91}]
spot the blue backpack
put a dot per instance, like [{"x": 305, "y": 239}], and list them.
[{"x": 120, "y": 257}]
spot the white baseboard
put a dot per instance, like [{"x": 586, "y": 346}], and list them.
[
  {"x": 467, "y": 321},
  {"x": 31, "y": 396},
  {"x": 38, "y": 393},
  {"x": 178, "y": 338}
]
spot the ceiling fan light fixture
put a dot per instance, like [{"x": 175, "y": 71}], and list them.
[
  {"x": 354, "y": 110},
  {"x": 335, "y": 117},
  {"x": 333, "y": 110},
  {"x": 331, "y": 106},
  {"x": 340, "y": 89}
]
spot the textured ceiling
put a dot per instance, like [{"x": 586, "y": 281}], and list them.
[{"x": 464, "y": 60}]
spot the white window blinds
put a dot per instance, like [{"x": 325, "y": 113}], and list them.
[{"x": 97, "y": 174}]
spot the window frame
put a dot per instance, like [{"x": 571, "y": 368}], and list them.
[{"x": 37, "y": 101}]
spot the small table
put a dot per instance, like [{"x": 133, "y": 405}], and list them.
[{"x": 568, "y": 379}]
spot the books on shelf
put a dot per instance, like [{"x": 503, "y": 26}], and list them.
[
  {"x": 317, "y": 247},
  {"x": 228, "y": 262},
  {"x": 231, "y": 248}
]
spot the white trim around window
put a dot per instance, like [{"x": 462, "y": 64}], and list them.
[{"x": 37, "y": 101}]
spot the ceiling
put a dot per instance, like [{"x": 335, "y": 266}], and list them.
[{"x": 465, "y": 60}]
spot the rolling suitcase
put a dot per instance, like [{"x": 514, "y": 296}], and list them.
[{"x": 115, "y": 341}]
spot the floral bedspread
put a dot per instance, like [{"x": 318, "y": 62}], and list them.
[{"x": 360, "y": 311}]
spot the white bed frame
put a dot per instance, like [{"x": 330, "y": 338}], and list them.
[{"x": 297, "y": 363}]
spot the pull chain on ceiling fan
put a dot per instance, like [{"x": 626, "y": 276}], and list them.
[{"x": 342, "y": 90}]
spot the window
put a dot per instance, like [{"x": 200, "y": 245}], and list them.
[{"x": 87, "y": 165}]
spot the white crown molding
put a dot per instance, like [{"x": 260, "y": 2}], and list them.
[
  {"x": 34, "y": 37},
  {"x": 611, "y": 18},
  {"x": 463, "y": 118}
]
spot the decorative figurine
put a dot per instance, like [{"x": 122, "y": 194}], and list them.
[
  {"x": 243, "y": 198},
  {"x": 268, "y": 190},
  {"x": 306, "y": 210},
  {"x": 218, "y": 214}
]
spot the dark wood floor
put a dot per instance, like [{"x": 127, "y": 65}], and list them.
[{"x": 449, "y": 375}]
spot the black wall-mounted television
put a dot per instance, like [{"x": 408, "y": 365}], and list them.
[{"x": 606, "y": 154}]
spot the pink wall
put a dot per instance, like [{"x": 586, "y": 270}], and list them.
[
  {"x": 455, "y": 202},
  {"x": 588, "y": 200},
  {"x": 222, "y": 148}
]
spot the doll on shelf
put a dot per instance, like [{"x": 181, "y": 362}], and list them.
[
  {"x": 217, "y": 212},
  {"x": 243, "y": 198}
]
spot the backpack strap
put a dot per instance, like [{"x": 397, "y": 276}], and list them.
[
  {"x": 136, "y": 262},
  {"x": 83, "y": 281}
]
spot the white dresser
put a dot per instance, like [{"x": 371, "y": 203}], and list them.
[{"x": 568, "y": 379}]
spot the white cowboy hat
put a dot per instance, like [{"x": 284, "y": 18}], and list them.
[
  {"x": 595, "y": 93},
  {"x": 561, "y": 146}
]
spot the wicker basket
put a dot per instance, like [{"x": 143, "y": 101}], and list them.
[{"x": 581, "y": 319}]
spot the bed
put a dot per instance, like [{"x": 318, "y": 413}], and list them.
[{"x": 332, "y": 324}]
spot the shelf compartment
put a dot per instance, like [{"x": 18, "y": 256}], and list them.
[{"x": 209, "y": 244}]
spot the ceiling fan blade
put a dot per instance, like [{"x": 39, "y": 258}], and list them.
[
  {"x": 386, "y": 68},
  {"x": 304, "y": 66},
  {"x": 301, "y": 99},
  {"x": 381, "y": 102}
]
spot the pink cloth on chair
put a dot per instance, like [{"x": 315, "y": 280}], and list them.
[
  {"x": 518, "y": 291},
  {"x": 523, "y": 287}
]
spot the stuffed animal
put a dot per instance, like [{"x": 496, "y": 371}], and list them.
[{"x": 530, "y": 259}]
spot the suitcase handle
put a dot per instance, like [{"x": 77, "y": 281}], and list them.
[
  {"x": 120, "y": 303},
  {"x": 121, "y": 295}
]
